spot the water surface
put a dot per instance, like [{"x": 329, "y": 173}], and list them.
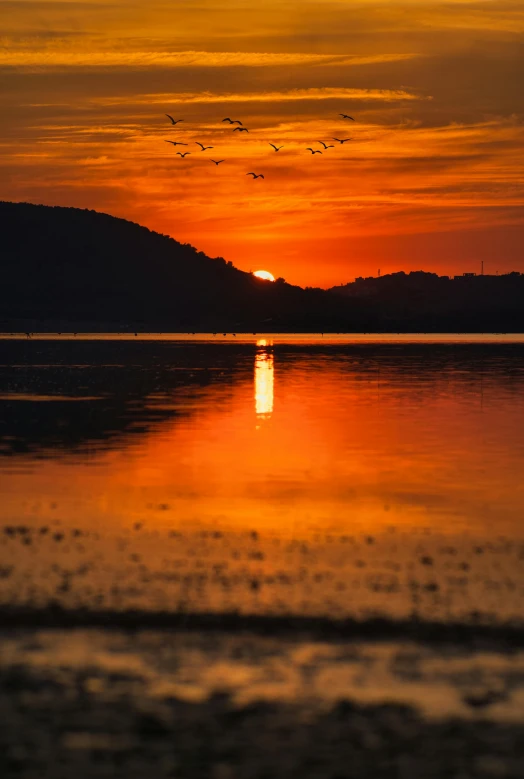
[{"x": 326, "y": 476}]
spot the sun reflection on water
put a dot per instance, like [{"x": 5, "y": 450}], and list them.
[{"x": 264, "y": 378}]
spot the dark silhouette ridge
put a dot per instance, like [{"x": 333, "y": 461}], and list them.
[
  {"x": 79, "y": 266},
  {"x": 73, "y": 269},
  {"x": 426, "y": 301}
]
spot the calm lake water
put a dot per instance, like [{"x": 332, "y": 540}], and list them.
[{"x": 364, "y": 453}]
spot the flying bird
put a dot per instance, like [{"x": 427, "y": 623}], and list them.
[
  {"x": 184, "y": 154},
  {"x": 177, "y": 143},
  {"x": 313, "y": 151},
  {"x": 255, "y": 175},
  {"x": 173, "y": 121},
  {"x": 276, "y": 148},
  {"x": 217, "y": 162},
  {"x": 345, "y": 116},
  {"x": 325, "y": 145},
  {"x": 202, "y": 147},
  {"x": 241, "y": 130},
  {"x": 342, "y": 140}
]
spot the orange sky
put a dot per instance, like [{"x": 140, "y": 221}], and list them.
[{"x": 433, "y": 178}]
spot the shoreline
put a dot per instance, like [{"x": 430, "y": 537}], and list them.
[
  {"x": 473, "y": 635},
  {"x": 242, "y": 337}
]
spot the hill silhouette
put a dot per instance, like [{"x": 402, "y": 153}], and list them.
[
  {"x": 79, "y": 266},
  {"x": 74, "y": 269},
  {"x": 421, "y": 301}
]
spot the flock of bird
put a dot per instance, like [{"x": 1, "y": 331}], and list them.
[{"x": 241, "y": 129}]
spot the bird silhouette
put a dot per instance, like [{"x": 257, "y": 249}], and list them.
[
  {"x": 255, "y": 175},
  {"x": 184, "y": 154},
  {"x": 345, "y": 116},
  {"x": 313, "y": 151},
  {"x": 202, "y": 147},
  {"x": 232, "y": 121},
  {"x": 276, "y": 148},
  {"x": 177, "y": 143},
  {"x": 217, "y": 162},
  {"x": 241, "y": 130},
  {"x": 325, "y": 145},
  {"x": 174, "y": 121},
  {"x": 342, "y": 140}
]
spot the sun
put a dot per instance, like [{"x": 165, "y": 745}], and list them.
[{"x": 264, "y": 274}]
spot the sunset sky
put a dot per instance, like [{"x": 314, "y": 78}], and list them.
[{"x": 433, "y": 178}]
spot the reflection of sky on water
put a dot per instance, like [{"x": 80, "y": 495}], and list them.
[
  {"x": 362, "y": 435},
  {"x": 264, "y": 378}
]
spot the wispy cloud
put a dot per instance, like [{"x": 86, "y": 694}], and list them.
[
  {"x": 59, "y": 57},
  {"x": 320, "y": 93}
]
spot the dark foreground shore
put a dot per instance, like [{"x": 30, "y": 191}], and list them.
[{"x": 115, "y": 703}]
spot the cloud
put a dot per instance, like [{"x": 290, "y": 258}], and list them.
[
  {"x": 54, "y": 56},
  {"x": 320, "y": 93}
]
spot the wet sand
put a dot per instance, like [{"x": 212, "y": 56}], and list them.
[
  {"x": 414, "y": 576},
  {"x": 115, "y": 703}
]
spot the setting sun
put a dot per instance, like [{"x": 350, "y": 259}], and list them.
[{"x": 264, "y": 274}]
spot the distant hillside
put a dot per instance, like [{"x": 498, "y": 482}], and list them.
[
  {"x": 68, "y": 265},
  {"x": 420, "y": 301},
  {"x": 73, "y": 269}
]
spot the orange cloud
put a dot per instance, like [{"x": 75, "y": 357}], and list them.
[{"x": 433, "y": 176}]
